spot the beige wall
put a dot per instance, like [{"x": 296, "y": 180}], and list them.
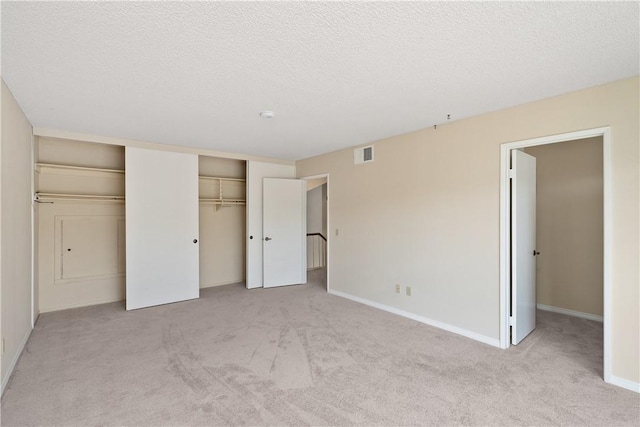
[
  {"x": 15, "y": 230},
  {"x": 222, "y": 245},
  {"x": 569, "y": 230},
  {"x": 425, "y": 213},
  {"x": 79, "y": 153}
]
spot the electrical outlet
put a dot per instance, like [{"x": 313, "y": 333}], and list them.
[
  {"x": 397, "y": 288},
  {"x": 408, "y": 291}
]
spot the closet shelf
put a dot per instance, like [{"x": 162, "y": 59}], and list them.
[
  {"x": 221, "y": 203},
  {"x": 51, "y": 167},
  {"x": 204, "y": 199}
]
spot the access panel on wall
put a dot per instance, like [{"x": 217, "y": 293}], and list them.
[
  {"x": 89, "y": 247},
  {"x": 162, "y": 227}
]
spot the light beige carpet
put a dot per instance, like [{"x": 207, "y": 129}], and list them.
[{"x": 298, "y": 356}]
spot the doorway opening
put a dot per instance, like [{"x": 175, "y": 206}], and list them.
[
  {"x": 510, "y": 260},
  {"x": 318, "y": 230}
]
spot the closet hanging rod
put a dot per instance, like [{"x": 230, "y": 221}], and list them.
[
  {"x": 122, "y": 171},
  {"x": 85, "y": 197},
  {"x": 224, "y": 201},
  {"x": 217, "y": 178}
]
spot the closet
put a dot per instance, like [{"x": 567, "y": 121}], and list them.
[
  {"x": 80, "y": 218},
  {"x": 80, "y": 223},
  {"x": 222, "y": 193}
]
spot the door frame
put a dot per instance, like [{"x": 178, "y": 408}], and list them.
[
  {"x": 325, "y": 175},
  {"x": 505, "y": 230}
]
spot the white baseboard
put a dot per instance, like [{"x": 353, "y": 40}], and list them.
[
  {"x": 80, "y": 305},
  {"x": 569, "y": 312},
  {"x": 213, "y": 285},
  {"x": 5, "y": 380},
  {"x": 441, "y": 325},
  {"x": 629, "y": 385}
]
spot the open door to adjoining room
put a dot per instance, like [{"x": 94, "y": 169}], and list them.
[
  {"x": 569, "y": 227},
  {"x": 318, "y": 230},
  {"x": 555, "y": 245}
]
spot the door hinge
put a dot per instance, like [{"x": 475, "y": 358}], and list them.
[
  {"x": 510, "y": 320},
  {"x": 512, "y": 173}
]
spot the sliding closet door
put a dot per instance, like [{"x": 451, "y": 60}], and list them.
[{"x": 162, "y": 227}]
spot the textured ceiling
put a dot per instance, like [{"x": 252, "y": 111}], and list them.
[{"x": 336, "y": 74}]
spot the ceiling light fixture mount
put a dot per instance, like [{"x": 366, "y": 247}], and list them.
[{"x": 267, "y": 114}]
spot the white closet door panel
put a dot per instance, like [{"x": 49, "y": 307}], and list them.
[
  {"x": 161, "y": 227},
  {"x": 256, "y": 172}
]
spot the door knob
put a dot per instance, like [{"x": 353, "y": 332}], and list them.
[
  {"x": 195, "y": 240},
  {"x": 267, "y": 238},
  {"x": 535, "y": 252}
]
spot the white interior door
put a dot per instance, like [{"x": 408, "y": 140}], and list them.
[
  {"x": 285, "y": 232},
  {"x": 256, "y": 172},
  {"x": 161, "y": 227},
  {"x": 523, "y": 245}
]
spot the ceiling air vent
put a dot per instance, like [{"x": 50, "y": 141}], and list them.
[{"x": 363, "y": 155}]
